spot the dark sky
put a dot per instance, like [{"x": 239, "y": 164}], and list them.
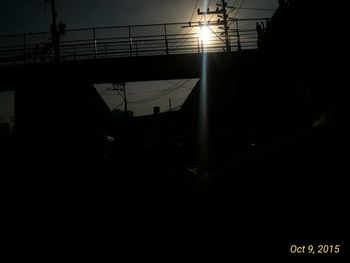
[
  {"x": 21, "y": 16},
  {"x": 25, "y": 16}
]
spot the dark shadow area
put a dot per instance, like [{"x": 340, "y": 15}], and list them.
[{"x": 79, "y": 183}]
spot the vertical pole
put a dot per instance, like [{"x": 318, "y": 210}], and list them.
[
  {"x": 125, "y": 100},
  {"x": 166, "y": 41},
  {"x": 105, "y": 50},
  {"x": 238, "y": 36},
  {"x": 54, "y": 32},
  {"x": 170, "y": 104},
  {"x": 136, "y": 46},
  {"x": 227, "y": 40},
  {"x": 75, "y": 53},
  {"x": 130, "y": 43},
  {"x": 94, "y": 36},
  {"x": 199, "y": 49}
]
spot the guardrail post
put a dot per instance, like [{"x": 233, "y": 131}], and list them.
[
  {"x": 130, "y": 41},
  {"x": 94, "y": 36},
  {"x": 267, "y": 22},
  {"x": 137, "y": 52},
  {"x": 238, "y": 36},
  {"x": 166, "y": 41},
  {"x": 199, "y": 48}
]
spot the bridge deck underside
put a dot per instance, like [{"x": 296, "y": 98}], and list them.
[{"x": 128, "y": 69}]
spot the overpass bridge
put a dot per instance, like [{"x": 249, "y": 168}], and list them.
[
  {"x": 129, "y": 41},
  {"x": 127, "y": 53},
  {"x": 60, "y": 93}
]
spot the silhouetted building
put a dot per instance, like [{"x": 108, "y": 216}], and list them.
[
  {"x": 4, "y": 138},
  {"x": 156, "y": 110},
  {"x": 118, "y": 114}
]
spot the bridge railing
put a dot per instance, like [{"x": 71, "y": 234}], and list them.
[{"x": 127, "y": 41}]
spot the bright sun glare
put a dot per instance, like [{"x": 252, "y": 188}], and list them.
[{"x": 204, "y": 34}]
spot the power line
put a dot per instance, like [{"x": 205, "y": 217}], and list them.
[
  {"x": 258, "y": 9},
  {"x": 156, "y": 96},
  {"x": 254, "y": 9},
  {"x": 166, "y": 92},
  {"x": 117, "y": 107},
  {"x": 181, "y": 39},
  {"x": 239, "y": 8},
  {"x": 233, "y": 7},
  {"x": 194, "y": 10},
  {"x": 221, "y": 13},
  {"x": 137, "y": 93},
  {"x": 16, "y": 19},
  {"x": 163, "y": 93}
]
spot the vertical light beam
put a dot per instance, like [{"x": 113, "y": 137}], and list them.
[{"x": 203, "y": 115}]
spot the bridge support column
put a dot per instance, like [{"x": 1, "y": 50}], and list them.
[{"x": 57, "y": 120}]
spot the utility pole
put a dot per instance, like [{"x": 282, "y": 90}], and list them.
[
  {"x": 226, "y": 28},
  {"x": 120, "y": 88},
  {"x": 170, "y": 108},
  {"x": 124, "y": 96},
  {"x": 222, "y": 13},
  {"x": 55, "y": 34}
]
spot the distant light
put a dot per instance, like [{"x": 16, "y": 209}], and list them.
[{"x": 205, "y": 34}]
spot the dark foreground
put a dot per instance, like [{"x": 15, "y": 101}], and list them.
[{"x": 144, "y": 205}]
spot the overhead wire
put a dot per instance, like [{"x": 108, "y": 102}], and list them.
[
  {"x": 194, "y": 10},
  {"x": 258, "y": 9},
  {"x": 163, "y": 93},
  {"x": 16, "y": 19},
  {"x": 232, "y": 9},
  {"x": 183, "y": 38},
  {"x": 157, "y": 96},
  {"x": 239, "y": 8}
]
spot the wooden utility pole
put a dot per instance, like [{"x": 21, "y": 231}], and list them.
[
  {"x": 119, "y": 87},
  {"x": 124, "y": 96},
  {"x": 224, "y": 17},
  {"x": 170, "y": 108},
  {"x": 55, "y": 34},
  {"x": 219, "y": 12}
]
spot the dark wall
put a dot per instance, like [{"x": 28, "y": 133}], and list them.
[
  {"x": 58, "y": 113},
  {"x": 279, "y": 90}
]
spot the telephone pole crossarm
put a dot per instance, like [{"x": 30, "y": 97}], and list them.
[
  {"x": 222, "y": 13},
  {"x": 208, "y": 23},
  {"x": 216, "y": 12}
]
